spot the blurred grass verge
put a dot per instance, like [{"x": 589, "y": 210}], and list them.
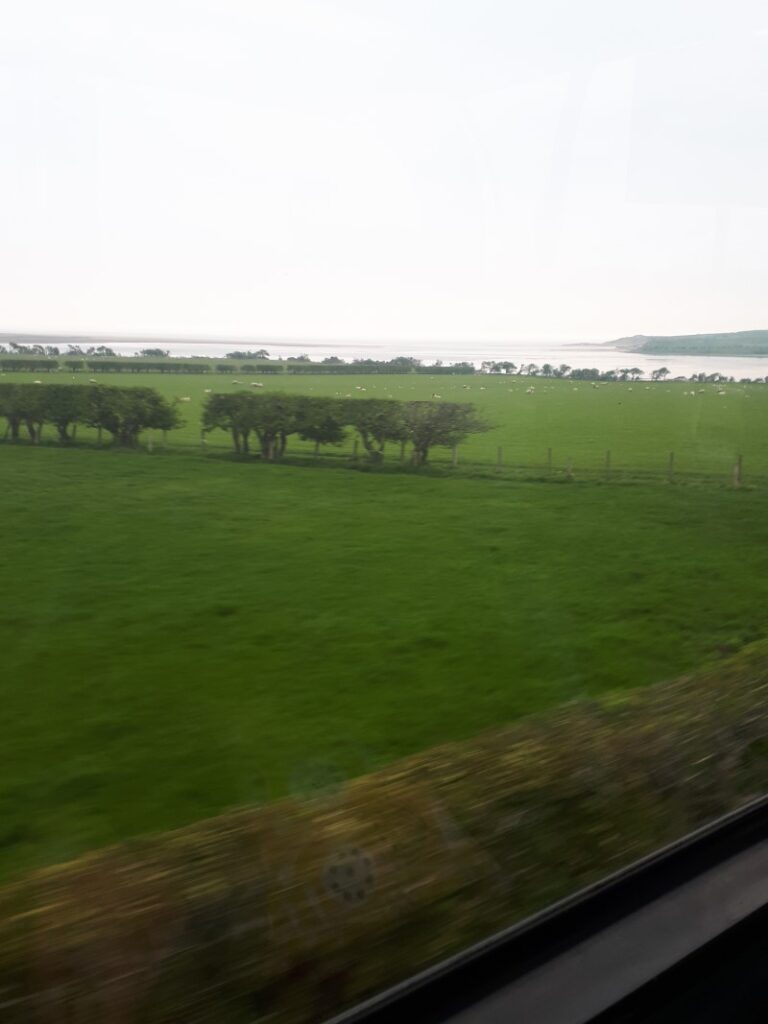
[{"x": 292, "y": 911}]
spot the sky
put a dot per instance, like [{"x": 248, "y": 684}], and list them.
[{"x": 384, "y": 169}]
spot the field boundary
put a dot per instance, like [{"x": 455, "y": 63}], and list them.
[{"x": 444, "y": 463}]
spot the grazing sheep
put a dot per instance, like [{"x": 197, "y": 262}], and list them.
[
  {"x": 208, "y": 391},
  {"x": 92, "y": 380},
  {"x": 531, "y": 391},
  {"x": 256, "y": 384},
  {"x": 37, "y": 382},
  {"x": 185, "y": 399}
]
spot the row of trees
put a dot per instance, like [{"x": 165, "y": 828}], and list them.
[
  {"x": 273, "y": 418},
  {"x": 332, "y": 365},
  {"x": 17, "y": 348},
  {"x": 122, "y": 412},
  {"x": 293, "y": 365}
]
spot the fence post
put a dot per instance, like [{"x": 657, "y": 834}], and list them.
[
  {"x": 74, "y": 431},
  {"x": 671, "y": 469},
  {"x": 354, "y": 450},
  {"x": 98, "y": 435},
  {"x": 549, "y": 460},
  {"x": 499, "y": 458},
  {"x": 737, "y": 471},
  {"x": 455, "y": 456}
]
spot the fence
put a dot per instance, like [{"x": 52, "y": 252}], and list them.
[{"x": 548, "y": 464}]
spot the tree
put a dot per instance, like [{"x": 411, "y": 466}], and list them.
[
  {"x": 125, "y": 412},
  {"x": 230, "y": 413},
  {"x": 660, "y": 374},
  {"x": 377, "y": 420},
  {"x": 273, "y": 418},
  {"x": 403, "y": 364},
  {"x": 65, "y": 406},
  {"x": 11, "y": 407},
  {"x": 427, "y": 424},
  {"x": 320, "y": 420}
]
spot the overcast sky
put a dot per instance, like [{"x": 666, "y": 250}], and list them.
[{"x": 399, "y": 169}]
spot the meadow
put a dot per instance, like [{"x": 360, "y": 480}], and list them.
[
  {"x": 639, "y": 423},
  {"x": 180, "y": 635}
]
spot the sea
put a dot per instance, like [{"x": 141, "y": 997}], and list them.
[{"x": 576, "y": 354}]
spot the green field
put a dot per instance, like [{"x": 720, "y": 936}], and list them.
[
  {"x": 180, "y": 634},
  {"x": 640, "y": 423}
]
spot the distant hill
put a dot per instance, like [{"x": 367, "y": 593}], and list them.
[{"x": 735, "y": 343}]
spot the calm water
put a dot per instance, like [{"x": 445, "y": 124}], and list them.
[{"x": 575, "y": 354}]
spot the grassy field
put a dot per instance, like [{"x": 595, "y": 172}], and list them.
[
  {"x": 180, "y": 635},
  {"x": 639, "y": 423}
]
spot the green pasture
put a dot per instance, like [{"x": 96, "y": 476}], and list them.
[
  {"x": 639, "y": 423},
  {"x": 179, "y": 635}
]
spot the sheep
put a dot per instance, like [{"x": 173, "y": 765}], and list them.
[
  {"x": 208, "y": 391},
  {"x": 92, "y": 380},
  {"x": 37, "y": 382},
  {"x": 185, "y": 399},
  {"x": 531, "y": 391},
  {"x": 256, "y": 384}
]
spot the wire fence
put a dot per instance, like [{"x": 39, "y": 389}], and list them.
[{"x": 549, "y": 464}]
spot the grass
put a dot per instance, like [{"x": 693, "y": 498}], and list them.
[
  {"x": 182, "y": 635},
  {"x": 639, "y": 423}
]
